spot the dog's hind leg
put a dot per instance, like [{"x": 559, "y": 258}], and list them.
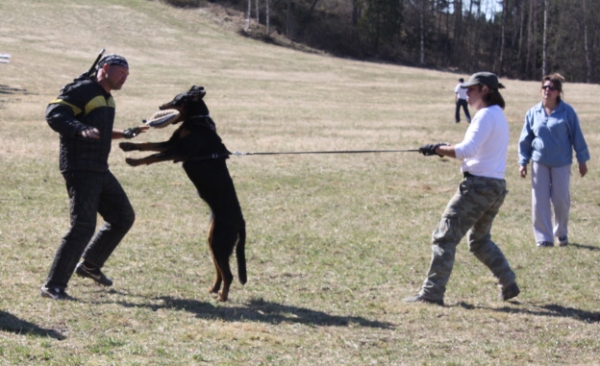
[
  {"x": 221, "y": 259},
  {"x": 241, "y": 255},
  {"x": 227, "y": 276},
  {"x": 218, "y": 277},
  {"x": 221, "y": 246}
]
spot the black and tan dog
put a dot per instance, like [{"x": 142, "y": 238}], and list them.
[{"x": 198, "y": 146}]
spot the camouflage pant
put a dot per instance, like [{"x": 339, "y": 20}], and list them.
[{"x": 473, "y": 209}]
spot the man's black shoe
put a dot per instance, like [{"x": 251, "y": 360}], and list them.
[
  {"x": 55, "y": 293},
  {"x": 93, "y": 273},
  {"x": 420, "y": 298},
  {"x": 509, "y": 292}
]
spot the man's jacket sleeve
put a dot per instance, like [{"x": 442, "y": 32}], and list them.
[{"x": 61, "y": 116}]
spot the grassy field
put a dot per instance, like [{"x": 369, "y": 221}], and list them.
[{"x": 335, "y": 242}]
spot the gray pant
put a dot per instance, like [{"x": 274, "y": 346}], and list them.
[
  {"x": 473, "y": 209},
  {"x": 550, "y": 185},
  {"x": 91, "y": 193}
]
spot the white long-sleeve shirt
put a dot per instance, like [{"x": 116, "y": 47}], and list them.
[{"x": 485, "y": 147}]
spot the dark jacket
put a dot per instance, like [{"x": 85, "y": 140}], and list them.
[{"x": 82, "y": 105}]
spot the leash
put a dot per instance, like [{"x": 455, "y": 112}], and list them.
[{"x": 238, "y": 153}]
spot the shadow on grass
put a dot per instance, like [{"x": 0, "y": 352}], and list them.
[
  {"x": 11, "y": 323},
  {"x": 258, "y": 310},
  {"x": 5, "y": 89},
  {"x": 583, "y": 246},
  {"x": 552, "y": 310}
]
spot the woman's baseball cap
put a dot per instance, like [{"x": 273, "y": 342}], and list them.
[{"x": 483, "y": 78}]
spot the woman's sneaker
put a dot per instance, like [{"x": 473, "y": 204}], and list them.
[
  {"x": 545, "y": 244},
  {"x": 563, "y": 241},
  {"x": 55, "y": 293},
  {"x": 509, "y": 292},
  {"x": 420, "y": 298}
]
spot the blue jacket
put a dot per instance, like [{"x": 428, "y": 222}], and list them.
[{"x": 550, "y": 140}]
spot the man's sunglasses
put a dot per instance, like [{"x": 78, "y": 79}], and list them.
[{"x": 549, "y": 87}]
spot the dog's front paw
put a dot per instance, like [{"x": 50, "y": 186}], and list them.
[
  {"x": 127, "y": 146},
  {"x": 132, "y": 162}
]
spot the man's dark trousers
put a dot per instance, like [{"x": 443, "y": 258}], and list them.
[
  {"x": 465, "y": 106},
  {"x": 91, "y": 193}
]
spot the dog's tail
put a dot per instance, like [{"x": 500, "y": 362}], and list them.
[{"x": 240, "y": 253}]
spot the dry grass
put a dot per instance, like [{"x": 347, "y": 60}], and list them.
[{"x": 335, "y": 241}]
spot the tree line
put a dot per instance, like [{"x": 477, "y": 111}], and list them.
[{"x": 523, "y": 39}]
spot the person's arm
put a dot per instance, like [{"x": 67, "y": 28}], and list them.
[
  {"x": 128, "y": 133},
  {"x": 60, "y": 116},
  {"x": 525, "y": 141},
  {"x": 582, "y": 154},
  {"x": 446, "y": 150},
  {"x": 583, "y": 169},
  {"x": 523, "y": 171}
]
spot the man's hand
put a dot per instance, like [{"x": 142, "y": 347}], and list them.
[
  {"x": 430, "y": 149},
  {"x": 133, "y": 132},
  {"x": 90, "y": 133}
]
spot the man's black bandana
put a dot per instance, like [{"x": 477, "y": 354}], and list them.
[{"x": 113, "y": 60}]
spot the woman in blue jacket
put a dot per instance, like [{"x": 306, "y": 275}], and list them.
[{"x": 550, "y": 135}]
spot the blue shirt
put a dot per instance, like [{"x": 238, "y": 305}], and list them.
[{"x": 550, "y": 140}]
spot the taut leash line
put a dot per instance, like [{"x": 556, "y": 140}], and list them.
[{"x": 238, "y": 153}]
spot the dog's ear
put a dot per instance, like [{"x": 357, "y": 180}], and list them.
[{"x": 197, "y": 92}]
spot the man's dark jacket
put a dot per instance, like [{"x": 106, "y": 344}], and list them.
[{"x": 81, "y": 105}]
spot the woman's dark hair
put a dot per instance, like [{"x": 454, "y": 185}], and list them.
[
  {"x": 556, "y": 79},
  {"x": 493, "y": 97}
]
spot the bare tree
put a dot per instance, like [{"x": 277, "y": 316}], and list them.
[
  {"x": 586, "y": 47},
  {"x": 531, "y": 40},
  {"x": 257, "y": 13},
  {"x": 457, "y": 30},
  {"x": 422, "y": 32},
  {"x": 312, "y": 7},
  {"x": 288, "y": 19},
  {"x": 545, "y": 39},
  {"x": 248, "y": 16},
  {"x": 505, "y": 6},
  {"x": 521, "y": 30},
  {"x": 267, "y": 15}
]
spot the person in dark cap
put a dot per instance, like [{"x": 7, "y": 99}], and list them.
[
  {"x": 476, "y": 203},
  {"x": 83, "y": 115}
]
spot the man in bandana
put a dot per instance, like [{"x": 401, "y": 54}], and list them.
[{"x": 83, "y": 115}]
